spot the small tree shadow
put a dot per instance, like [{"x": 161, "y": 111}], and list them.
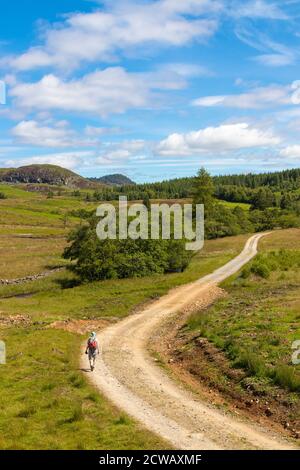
[{"x": 68, "y": 283}]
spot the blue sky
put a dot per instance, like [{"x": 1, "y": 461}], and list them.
[{"x": 152, "y": 89}]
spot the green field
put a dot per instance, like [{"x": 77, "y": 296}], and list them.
[
  {"x": 47, "y": 402},
  {"x": 232, "y": 205}
]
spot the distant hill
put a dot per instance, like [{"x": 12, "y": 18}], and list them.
[
  {"x": 114, "y": 180},
  {"x": 46, "y": 174}
]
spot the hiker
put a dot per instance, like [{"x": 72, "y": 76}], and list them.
[{"x": 92, "y": 349}]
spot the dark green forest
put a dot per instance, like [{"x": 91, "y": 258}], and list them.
[{"x": 278, "y": 189}]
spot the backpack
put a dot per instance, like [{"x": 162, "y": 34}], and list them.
[{"x": 92, "y": 344}]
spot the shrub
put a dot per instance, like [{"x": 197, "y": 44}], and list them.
[
  {"x": 116, "y": 259},
  {"x": 261, "y": 270}
]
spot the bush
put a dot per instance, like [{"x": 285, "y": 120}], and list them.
[
  {"x": 246, "y": 273},
  {"x": 261, "y": 270},
  {"x": 116, "y": 259}
]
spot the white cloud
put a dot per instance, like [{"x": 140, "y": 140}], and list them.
[
  {"x": 217, "y": 139},
  {"x": 118, "y": 151},
  {"x": 292, "y": 151},
  {"x": 258, "y": 9},
  {"x": 93, "y": 131},
  {"x": 41, "y": 135},
  {"x": 30, "y": 132},
  {"x": 296, "y": 92},
  {"x": 257, "y": 98},
  {"x": 117, "y": 28},
  {"x": 275, "y": 60},
  {"x": 209, "y": 101},
  {"x": 101, "y": 92},
  {"x": 112, "y": 90},
  {"x": 118, "y": 154},
  {"x": 272, "y": 53}
]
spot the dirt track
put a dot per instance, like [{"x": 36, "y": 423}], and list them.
[{"x": 129, "y": 376}]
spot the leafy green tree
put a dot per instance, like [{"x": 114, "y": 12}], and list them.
[
  {"x": 95, "y": 259},
  {"x": 203, "y": 191},
  {"x": 286, "y": 201}
]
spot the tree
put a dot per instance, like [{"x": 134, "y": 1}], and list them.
[
  {"x": 263, "y": 198},
  {"x": 95, "y": 259},
  {"x": 203, "y": 191},
  {"x": 286, "y": 201}
]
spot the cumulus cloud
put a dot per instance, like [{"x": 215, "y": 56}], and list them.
[
  {"x": 118, "y": 151},
  {"x": 117, "y": 28},
  {"x": 257, "y": 98},
  {"x": 216, "y": 139},
  {"x": 30, "y": 132},
  {"x": 112, "y": 90},
  {"x": 101, "y": 92},
  {"x": 41, "y": 135}
]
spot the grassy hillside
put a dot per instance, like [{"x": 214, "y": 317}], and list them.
[{"x": 22, "y": 207}]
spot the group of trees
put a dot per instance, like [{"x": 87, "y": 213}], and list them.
[
  {"x": 260, "y": 198},
  {"x": 115, "y": 259},
  {"x": 268, "y": 210}
]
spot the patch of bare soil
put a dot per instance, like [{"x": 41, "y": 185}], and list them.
[{"x": 205, "y": 368}]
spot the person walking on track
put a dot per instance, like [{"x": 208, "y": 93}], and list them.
[{"x": 92, "y": 349}]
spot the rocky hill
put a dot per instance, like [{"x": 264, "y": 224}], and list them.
[{"x": 46, "y": 174}]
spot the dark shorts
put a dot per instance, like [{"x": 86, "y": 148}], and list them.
[{"x": 92, "y": 353}]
